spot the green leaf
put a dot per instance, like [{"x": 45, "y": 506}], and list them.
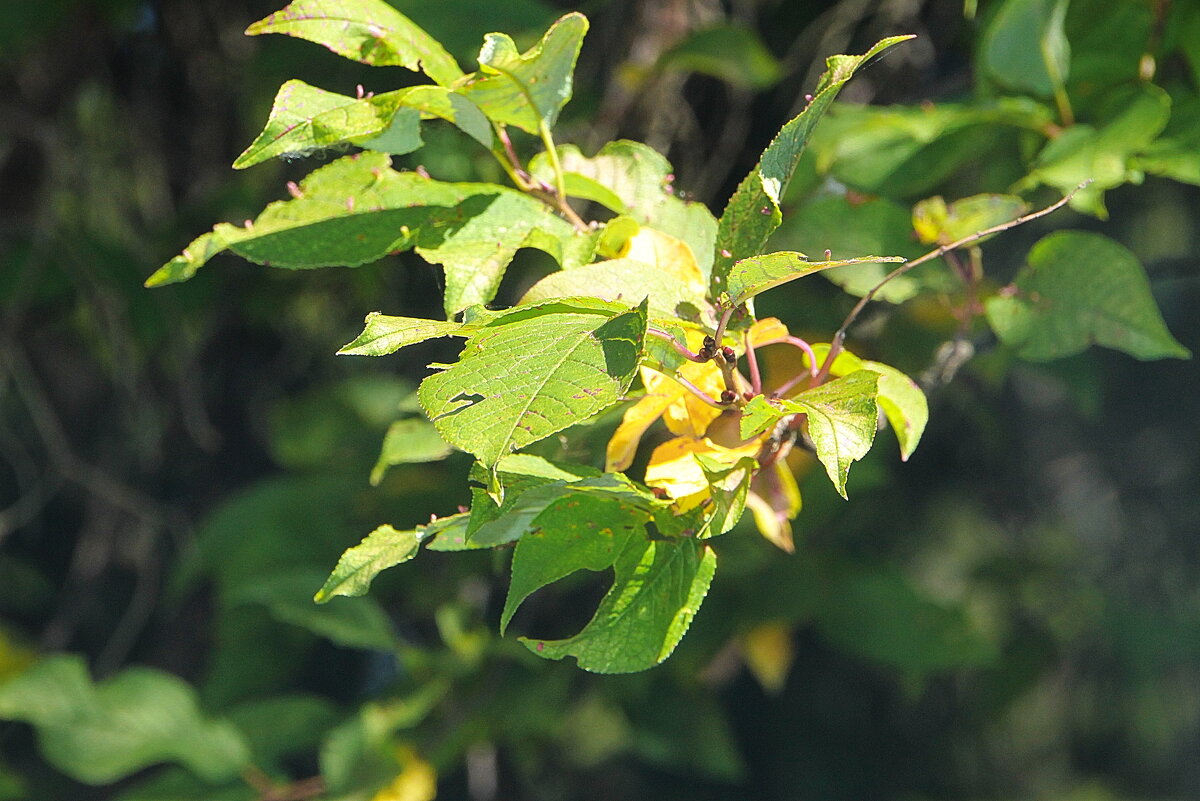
[
  {"x": 383, "y": 548},
  {"x": 370, "y": 31},
  {"x": 659, "y": 584},
  {"x": 527, "y": 89},
  {"x": 938, "y": 223},
  {"x": 304, "y": 118},
  {"x": 1106, "y": 156},
  {"x": 876, "y": 613},
  {"x": 900, "y": 398},
  {"x": 753, "y": 212},
  {"x": 875, "y": 225},
  {"x": 1025, "y": 48},
  {"x": 522, "y": 514},
  {"x": 728, "y": 487},
  {"x": 1079, "y": 288},
  {"x": 357, "y": 210},
  {"x": 383, "y": 334},
  {"x": 732, "y": 54},
  {"x": 625, "y": 279},
  {"x": 289, "y": 599},
  {"x": 412, "y": 440},
  {"x": 842, "y": 418},
  {"x": 632, "y": 179},
  {"x": 577, "y": 530},
  {"x": 755, "y": 275},
  {"x": 517, "y": 383},
  {"x": 100, "y": 733},
  {"x": 908, "y": 151}
]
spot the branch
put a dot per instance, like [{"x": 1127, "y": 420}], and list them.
[{"x": 840, "y": 337}]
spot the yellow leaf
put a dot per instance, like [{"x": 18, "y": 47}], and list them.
[
  {"x": 670, "y": 255},
  {"x": 417, "y": 781},
  {"x": 674, "y": 469},
  {"x": 769, "y": 653},
  {"x": 774, "y": 500},
  {"x": 768, "y": 330}
]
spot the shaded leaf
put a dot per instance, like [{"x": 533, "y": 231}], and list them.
[
  {"x": 370, "y": 31},
  {"x": 732, "y": 54},
  {"x": 289, "y": 598},
  {"x": 99, "y": 733},
  {"x": 753, "y": 211},
  {"x": 527, "y": 89},
  {"x": 520, "y": 382},
  {"x": 1025, "y": 47},
  {"x": 413, "y": 440},
  {"x": 1078, "y": 288},
  {"x": 658, "y": 587}
]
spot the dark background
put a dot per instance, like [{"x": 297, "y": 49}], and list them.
[{"x": 160, "y": 447}]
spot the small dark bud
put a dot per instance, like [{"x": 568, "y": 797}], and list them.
[
  {"x": 728, "y": 353},
  {"x": 728, "y": 396},
  {"x": 659, "y": 492},
  {"x": 747, "y": 396},
  {"x": 704, "y": 354},
  {"x": 709, "y": 343}
]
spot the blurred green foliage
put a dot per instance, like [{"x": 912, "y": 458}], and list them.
[{"x": 1013, "y": 613}]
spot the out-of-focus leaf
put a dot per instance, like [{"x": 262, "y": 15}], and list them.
[
  {"x": 753, "y": 212},
  {"x": 876, "y": 613},
  {"x": 370, "y": 31},
  {"x": 938, "y": 223},
  {"x": 523, "y": 381},
  {"x": 769, "y": 653},
  {"x": 658, "y": 586},
  {"x": 528, "y": 89},
  {"x": 283, "y": 725},
  {"x": 1079, "y": 288},
  {"x": 1105, "y": 155},
  {"x": 99, "y": 733},
  {"x": 289, "y": 598},
  {"x": 1025, "y": 47},
  {"x": 735, "y": 55},
  {"x": 413, "y": 440}
]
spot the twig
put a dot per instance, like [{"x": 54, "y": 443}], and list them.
[
  {"x": 839, "y": 338},
  {"x": 699, "y": 393},
  {"x": 752, "y": 361},
  {"x": 679, "y": 347}
]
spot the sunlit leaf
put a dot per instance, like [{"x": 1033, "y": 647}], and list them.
[
  {"x": 757, "y": 274},
  {"x": 520, "y": 382},
  {"x": 658, "y": 587},
  {"x": 383, "y": 548},
  {"x": 527, "y": 89},
  {"x": 632, "y": 179},
  {"x": 842, "y": 418},
  {"x": 370, "y": 31},
  {"x": 304, "y": 118},
  {"x": 753, "y": 211},
  {"x": 937, "y": 222}
]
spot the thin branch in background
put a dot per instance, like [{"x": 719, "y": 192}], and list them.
[{"x": 840, "y": 337}]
